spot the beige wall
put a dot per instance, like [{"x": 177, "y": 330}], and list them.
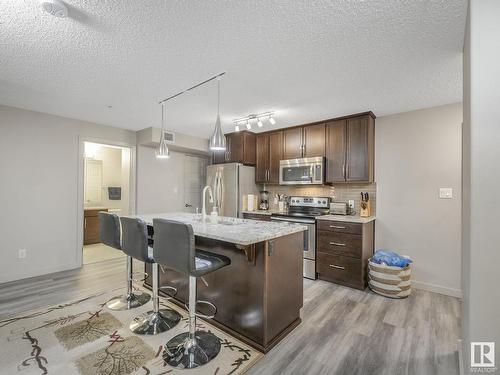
[
  {"x": 39, "y": 200},
  {"x": 481, "y": 178},
  {"x": 160, "y": 183},
  {"x": 417, "y": 153}
]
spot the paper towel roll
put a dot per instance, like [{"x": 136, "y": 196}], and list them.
[{"x": 250, "y": 202}]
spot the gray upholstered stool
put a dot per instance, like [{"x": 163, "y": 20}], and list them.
[
  {"x": 174, "y": 247},
  {"x": 109, "y": 225},
  {"x": 135, "y": 244}
]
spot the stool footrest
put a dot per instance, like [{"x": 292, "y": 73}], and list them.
[
  {"x": 136, "y": 280},
  {"x": 170, "y": 296},
  {"x": 203, "y": 315}
]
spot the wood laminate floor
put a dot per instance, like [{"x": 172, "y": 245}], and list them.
[{"x": 343, "y": 331}]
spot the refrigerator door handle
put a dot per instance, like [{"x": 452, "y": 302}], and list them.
[{"x": 220, "y": 193}]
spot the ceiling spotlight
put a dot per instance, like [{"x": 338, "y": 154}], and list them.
[
  {"x": 248, "y": 125},
  {"x": 272, "y": 120},
  {"x": 55, "y": 8},
  {"x": 259, "y": 123},
  {"x": 236, "y": 128}
]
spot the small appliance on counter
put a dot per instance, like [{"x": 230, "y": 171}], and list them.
[
  {"x": 264, "y": 200},
  {"x": 339, "y": 208}
]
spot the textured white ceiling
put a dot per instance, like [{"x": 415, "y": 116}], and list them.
[{"x": 307, "y": 60}]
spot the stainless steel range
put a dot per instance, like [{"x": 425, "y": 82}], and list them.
[{"x": 304, "y": 210}]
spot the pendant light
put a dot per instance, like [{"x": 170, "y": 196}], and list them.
[
  {"x": 218, "y": 140},
  {"x": 162, "y": 151}
]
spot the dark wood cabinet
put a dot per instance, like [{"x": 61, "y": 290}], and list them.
[
  {"x": 259, "y": 217},
  {"x": 240, "y": 148},
  {"x": 91, "y": 232},
  {"x": 350, "y": 149},
  {"x": 304, "y": 141},
  {"x": 314, "y": 141},
  {"x": 292, "y": 143},
  {"x": 262, "y": 159},
  {"x": 269, "y": 154},
  {"x": 343, "y": 250}
]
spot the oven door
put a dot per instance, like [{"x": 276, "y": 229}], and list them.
[{"x": 309, "y": 243}]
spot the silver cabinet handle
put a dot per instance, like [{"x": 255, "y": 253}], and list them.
[
  {"x": 337, "y": 227},
  {"x": 337, "y": 244},
  {"x": 337, "y": 267},
  {"x": 85, "y": 223}
]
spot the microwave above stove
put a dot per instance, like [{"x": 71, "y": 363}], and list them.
[{"x": 305, "y": 171}]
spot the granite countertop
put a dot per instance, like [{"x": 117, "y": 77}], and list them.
[
  {"x": 264, "y": 212},
  {"x": 347, "y": 218},
  {"x": 229, "y": 229}
]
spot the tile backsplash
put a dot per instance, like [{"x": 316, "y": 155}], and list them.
[{"x": 338, "y": 193}]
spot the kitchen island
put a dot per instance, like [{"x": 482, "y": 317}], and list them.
[{"x": 260, "y": 294}]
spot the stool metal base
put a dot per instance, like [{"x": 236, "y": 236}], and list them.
[
  {"x": 181, "y": 352},
  {"x": 153, "y": 323},
  {"x": 127, "y": 302}
]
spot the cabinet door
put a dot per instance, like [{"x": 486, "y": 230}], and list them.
[
  {"x": 335, "y": 151},
  {"x": 359, "y": 149},
  {"x": 292, "y": 143},
  {"x": 234, "y": 151},
  {"x": 314, "y": 140},
  {"x": 262, "y": 162},
  {"x": 275, "y": 155},
  {"x": 249, "y": 148},
  {"x": 91, "y": 230}
]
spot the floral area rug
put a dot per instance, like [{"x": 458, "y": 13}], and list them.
[{"x": 84, "y": 337}]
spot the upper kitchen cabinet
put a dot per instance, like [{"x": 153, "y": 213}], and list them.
[
  {"x": 292, "y": 143},
  {"x": 240, "y": 148},
  {"x": 304, "y": 141},
  {"x": 269, "y": 154},
  {"x": 314, "y": 141},
  {"x": 350, "y": 145}
]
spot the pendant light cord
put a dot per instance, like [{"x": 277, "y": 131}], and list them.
[
  {"x": 162, "y": 122},
  {"x": 218, "y": 96}
]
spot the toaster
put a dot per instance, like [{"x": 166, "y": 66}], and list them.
[{"x": 339, "y": 208}]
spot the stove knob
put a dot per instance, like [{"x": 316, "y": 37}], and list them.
[{"x": 324, "y": 202}]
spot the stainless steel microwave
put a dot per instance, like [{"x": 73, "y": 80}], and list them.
[{"x": 305, "y": 171}]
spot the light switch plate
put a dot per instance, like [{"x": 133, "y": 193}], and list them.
[{"x": 445, "y": 193}]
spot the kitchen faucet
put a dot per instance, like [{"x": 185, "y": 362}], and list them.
[{"x": 210, "y": 199}]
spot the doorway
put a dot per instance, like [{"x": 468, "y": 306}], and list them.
[
  {"x": 106, "y": 187},
  {"x": 195, "y": 169}
]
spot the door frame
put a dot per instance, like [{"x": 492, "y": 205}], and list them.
[{"x": 80, "y": 185}]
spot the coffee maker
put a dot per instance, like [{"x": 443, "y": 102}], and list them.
[{"x": 264, "y": 200}]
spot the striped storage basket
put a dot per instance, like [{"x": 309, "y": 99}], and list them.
[{"x": 389, "y": 281}]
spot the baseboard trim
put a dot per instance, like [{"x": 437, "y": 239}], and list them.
[
  {"x": 41, "y": 272},
  {"x": 437, "y": 289}
]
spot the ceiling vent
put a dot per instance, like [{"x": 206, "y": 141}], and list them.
[
  {"x": 55, "y": 8},
  {"x": 169, "y": 137}
]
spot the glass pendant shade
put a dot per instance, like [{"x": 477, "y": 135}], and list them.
[
  {"x": 218, "y": 139},
  {"x": 162, "y": 151}
]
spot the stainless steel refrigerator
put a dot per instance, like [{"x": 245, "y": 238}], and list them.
[{"x": 230, "y": 182}]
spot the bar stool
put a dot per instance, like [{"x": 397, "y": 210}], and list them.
[
  {"x": 109, "y": 225},
  {"x": 135, "y": 244},
  {"x": 174, "y": 247}
]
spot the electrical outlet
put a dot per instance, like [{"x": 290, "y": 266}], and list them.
[
  {"x": 22, "y": 253},
  {"x": 445, "y": 193},
  {"x": 351, "y": 203}
]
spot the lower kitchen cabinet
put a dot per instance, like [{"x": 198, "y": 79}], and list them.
[
  {"x": 343, "y": 250},
  {"x": 260, "y": 217}
]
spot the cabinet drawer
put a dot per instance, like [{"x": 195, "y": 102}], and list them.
[
  {"x": 340, "y": 243},
  {"x": 340, "y": 269},
  {"x": 260, "y": 217},
  {"x": 340, "y": 226}
]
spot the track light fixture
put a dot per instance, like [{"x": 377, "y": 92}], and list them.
[{"x": 259, "y": 119}]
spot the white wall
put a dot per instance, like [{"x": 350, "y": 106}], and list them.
[
  {"x": 38, "y": 189},
  {"x": 417, "y": 153},
  {"x": 481, "y": 234},
  {"x": 160, "y": 183}
]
